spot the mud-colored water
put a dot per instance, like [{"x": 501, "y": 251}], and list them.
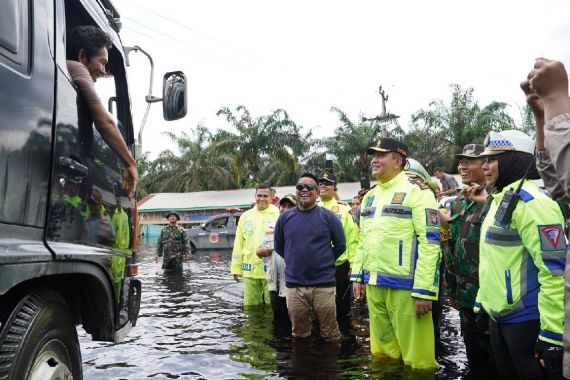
[{"x": 193, "y": 326}]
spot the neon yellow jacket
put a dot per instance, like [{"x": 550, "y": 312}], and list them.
[
  {"x": 521, "y": 266},
  {"x": 120, "y": 222},
  {"x": 399, "y": 243},
  {"x": 250, "y": 231},
  {"x": 342, "y": 211}
]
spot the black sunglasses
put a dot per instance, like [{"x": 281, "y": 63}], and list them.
[{"x": 306, "y": 186}]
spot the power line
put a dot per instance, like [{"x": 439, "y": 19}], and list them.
[
  {"x": 170, "y": 37},
  {"x": 149, "y": 36},
  {"x": 188, "y": 28}
]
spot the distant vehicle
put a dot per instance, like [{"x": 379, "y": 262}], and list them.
[{"x": 219, "y": 232}]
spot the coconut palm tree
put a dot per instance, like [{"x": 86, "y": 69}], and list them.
[
  {"x": 350, "y": 143},
  {"x": 196, "y": 168},
  {"x": 441, "y": 130},
  {"x": 256, "y": 142}
]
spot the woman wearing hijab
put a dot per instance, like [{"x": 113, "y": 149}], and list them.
[{"x": 522, "y": 258}]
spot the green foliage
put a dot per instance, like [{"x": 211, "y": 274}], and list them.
[
  {"x": 440, "y": 131},
  {"x": 273, "y": 148},
  {"x": 271, "y": 144},
  {"x": 198, "y": 167}
]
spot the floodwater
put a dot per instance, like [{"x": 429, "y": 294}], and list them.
[{"x": 193, "y": 326}]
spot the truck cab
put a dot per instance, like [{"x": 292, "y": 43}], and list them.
[{"x": 66, "y": 220}]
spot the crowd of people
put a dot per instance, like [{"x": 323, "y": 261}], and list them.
[{"x": 498, "y": 253}]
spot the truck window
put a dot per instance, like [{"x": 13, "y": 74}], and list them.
[{"x": 15, "y": 35}]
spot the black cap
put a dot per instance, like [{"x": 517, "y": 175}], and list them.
[
  {"x": 173, "y": 213},
  {"x": 327, "y": 176},
  {"x": 389, "y": 145}
]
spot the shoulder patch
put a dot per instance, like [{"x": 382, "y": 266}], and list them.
[
  {"x": 419, "y": 182},
  {"x": 432, "y": 217},
  {"x": 525, "y": 196},
  {"x": 552, "y": 237},
  {"x": 398, "y": 198}
]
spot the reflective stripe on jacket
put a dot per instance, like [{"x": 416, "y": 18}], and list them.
[
  {"x": 521, "y": 267},
  {"x": 250, "y": 231},
  {"x": 349, "y": 227},
  {"x": 399, "y": 245}
]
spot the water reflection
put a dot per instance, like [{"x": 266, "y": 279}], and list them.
[{"x": 192, "y": 325}]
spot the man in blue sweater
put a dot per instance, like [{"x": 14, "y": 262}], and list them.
[{"x": 310, "y": 239}]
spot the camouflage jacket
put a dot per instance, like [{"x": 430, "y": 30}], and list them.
[
  {"x": 462, "y": 261},
  {"x": 173, "y": 242}
]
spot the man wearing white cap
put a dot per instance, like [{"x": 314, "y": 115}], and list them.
[{"x": 521, "y": 263}]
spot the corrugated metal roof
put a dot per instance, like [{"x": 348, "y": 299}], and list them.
[
  {"x": 224, "y": 199},
  {"x": 230, "y": 198}
]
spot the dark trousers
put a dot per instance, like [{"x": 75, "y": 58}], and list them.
[
  {"x": 343, "y": 298},
  {"x": 513, "y": 349},
  {"x": 280, "y": 313},
  {"x": 477, "y": 342}
]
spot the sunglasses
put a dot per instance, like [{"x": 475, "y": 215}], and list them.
[{"x": 306, "y": 186}]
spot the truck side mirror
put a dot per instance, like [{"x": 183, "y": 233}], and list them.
[{"x": 174, "y": 101}]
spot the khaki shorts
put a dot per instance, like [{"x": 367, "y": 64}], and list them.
[{"x": 302, "y": 300}]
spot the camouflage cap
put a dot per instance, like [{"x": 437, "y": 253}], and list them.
[
  {"x": 173, "y": 213},
  {"x": 289, "y": 197},
  {"x": 471, "y": 151}
]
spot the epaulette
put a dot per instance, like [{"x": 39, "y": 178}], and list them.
[
  {"x": 419, "y": 181},
  {"x": 342, "y": 203}
]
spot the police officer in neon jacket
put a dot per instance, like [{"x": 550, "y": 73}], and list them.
[
  {"x": 521, "y": 263},
  {"x": 398, "y": 259}
]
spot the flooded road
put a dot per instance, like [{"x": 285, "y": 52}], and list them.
[{"x": 193, "y": 326}]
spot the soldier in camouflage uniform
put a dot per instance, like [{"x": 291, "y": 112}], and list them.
[
  {"x": 462, "y": 260},
  {"x": 173, "y": 244}
]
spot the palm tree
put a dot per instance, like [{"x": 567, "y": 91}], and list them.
[
  {"x": 442, "y": 130},
  {"x": 350, "y": 143},
  {"x": 257, "y": 142},
  {"x": 196, "y": 168}
]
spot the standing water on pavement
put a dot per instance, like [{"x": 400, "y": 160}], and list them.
[{"x": 194, "y": 326}]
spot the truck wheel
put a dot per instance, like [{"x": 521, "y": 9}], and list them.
[{"x": 39, "y": 340}]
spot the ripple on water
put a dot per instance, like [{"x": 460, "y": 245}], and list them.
[{"x": 193, "y": 326}]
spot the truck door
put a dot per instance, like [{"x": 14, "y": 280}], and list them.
[
  {"x": 26, "y": 108},
  {"x": 87, "y": 193}
]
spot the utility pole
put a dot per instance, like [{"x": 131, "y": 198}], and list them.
[{"x": 384, "y": 117}]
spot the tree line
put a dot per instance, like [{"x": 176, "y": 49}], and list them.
[{"x": 273, "y": 148}]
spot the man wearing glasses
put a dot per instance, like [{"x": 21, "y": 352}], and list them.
[
  {"x": 397, "y": 257},
  {"x": 327, "y": 191},
  {"x": 310, "y": 239}
]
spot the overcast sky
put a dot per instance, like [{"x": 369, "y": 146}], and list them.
[{"x": 306, "y": 56}]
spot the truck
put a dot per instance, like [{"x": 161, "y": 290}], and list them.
[{"x": 58, "y": 179}]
